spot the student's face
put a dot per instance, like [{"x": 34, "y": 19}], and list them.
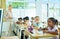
[
  {"x": 50, "y": 23},
  {"x": 20, "y": 20},
  {"x": 32, "y": 18},
  {"x": 37, "y": 20},
  {"x": 27, "y": 20}
]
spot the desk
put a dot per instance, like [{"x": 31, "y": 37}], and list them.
[
  {"x": 18, "y": 29},
  {"x": 36, "y": 36},
  {"x": 12, "y": 37},
  {"x": 59, "y": 31}
]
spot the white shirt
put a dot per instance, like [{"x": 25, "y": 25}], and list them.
[
  {"x": 8, "y": 14},
  {"x": 52, "y": 30}
]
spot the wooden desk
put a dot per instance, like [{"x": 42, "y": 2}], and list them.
[
  {"x": 59, "y": 31},
  {"x": 12, "y": 37},
  {"x": 18, "y": 28},
  {"x": 36, "y": 36}
]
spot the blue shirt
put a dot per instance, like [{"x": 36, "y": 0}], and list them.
[{"x": 38, "y": 25}]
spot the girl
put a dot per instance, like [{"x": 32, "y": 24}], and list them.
[
  {"x": 52, "y": 28},
  {"x": 37, "y": 24},
  {"x": 32, "y": 20}
]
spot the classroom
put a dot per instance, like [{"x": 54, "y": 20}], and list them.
[{"x": 29, "y": 19}]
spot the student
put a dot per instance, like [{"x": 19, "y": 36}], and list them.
[
  {"x": 26, "y": 21},
  {"x": 52, "y": 28},
  {"x": 19, "y": 21},
  {"x": 37, "y": 23},
  {"x": 32, "y": 20}
]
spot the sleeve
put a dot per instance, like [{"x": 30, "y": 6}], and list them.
[{"x": 56, "y": 28}]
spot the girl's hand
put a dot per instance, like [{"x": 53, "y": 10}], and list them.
[{"x": 45, "y": 31}]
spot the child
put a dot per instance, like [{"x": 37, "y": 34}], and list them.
[
  {"x": 37, "y": 23},
  {"x": 52, "y": 28},
  {"x": 19, "y": 21},
  {"x": 32, "y": 20},
  {"x": 26, "y": 21}
]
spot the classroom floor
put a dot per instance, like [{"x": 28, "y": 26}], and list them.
[
  {"x": 11, "y": 37},
  {"x": 5, "y": 34}
]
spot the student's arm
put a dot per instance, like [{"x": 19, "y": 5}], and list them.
[
  {"x": 55, "y": 33},
  {"x": 44, "y": 28}
]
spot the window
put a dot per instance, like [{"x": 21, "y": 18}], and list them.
[
  {"x": 22, "y": 8},
  {"x": 42, "y": 8}
]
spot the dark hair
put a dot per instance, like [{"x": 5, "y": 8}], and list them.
[
  {"x": 24, "y": 18},
  {"x": 55, "y": 21},
  {"x": 20, "y": 18},
  {"x": 27, "y": 18}
]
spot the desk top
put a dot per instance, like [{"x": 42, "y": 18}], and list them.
[
  {"x": 11, "y": 37},
  {"x": 37, "y": 35}
]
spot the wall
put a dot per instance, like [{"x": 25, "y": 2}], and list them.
[{"x": 3, "y": 4}]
